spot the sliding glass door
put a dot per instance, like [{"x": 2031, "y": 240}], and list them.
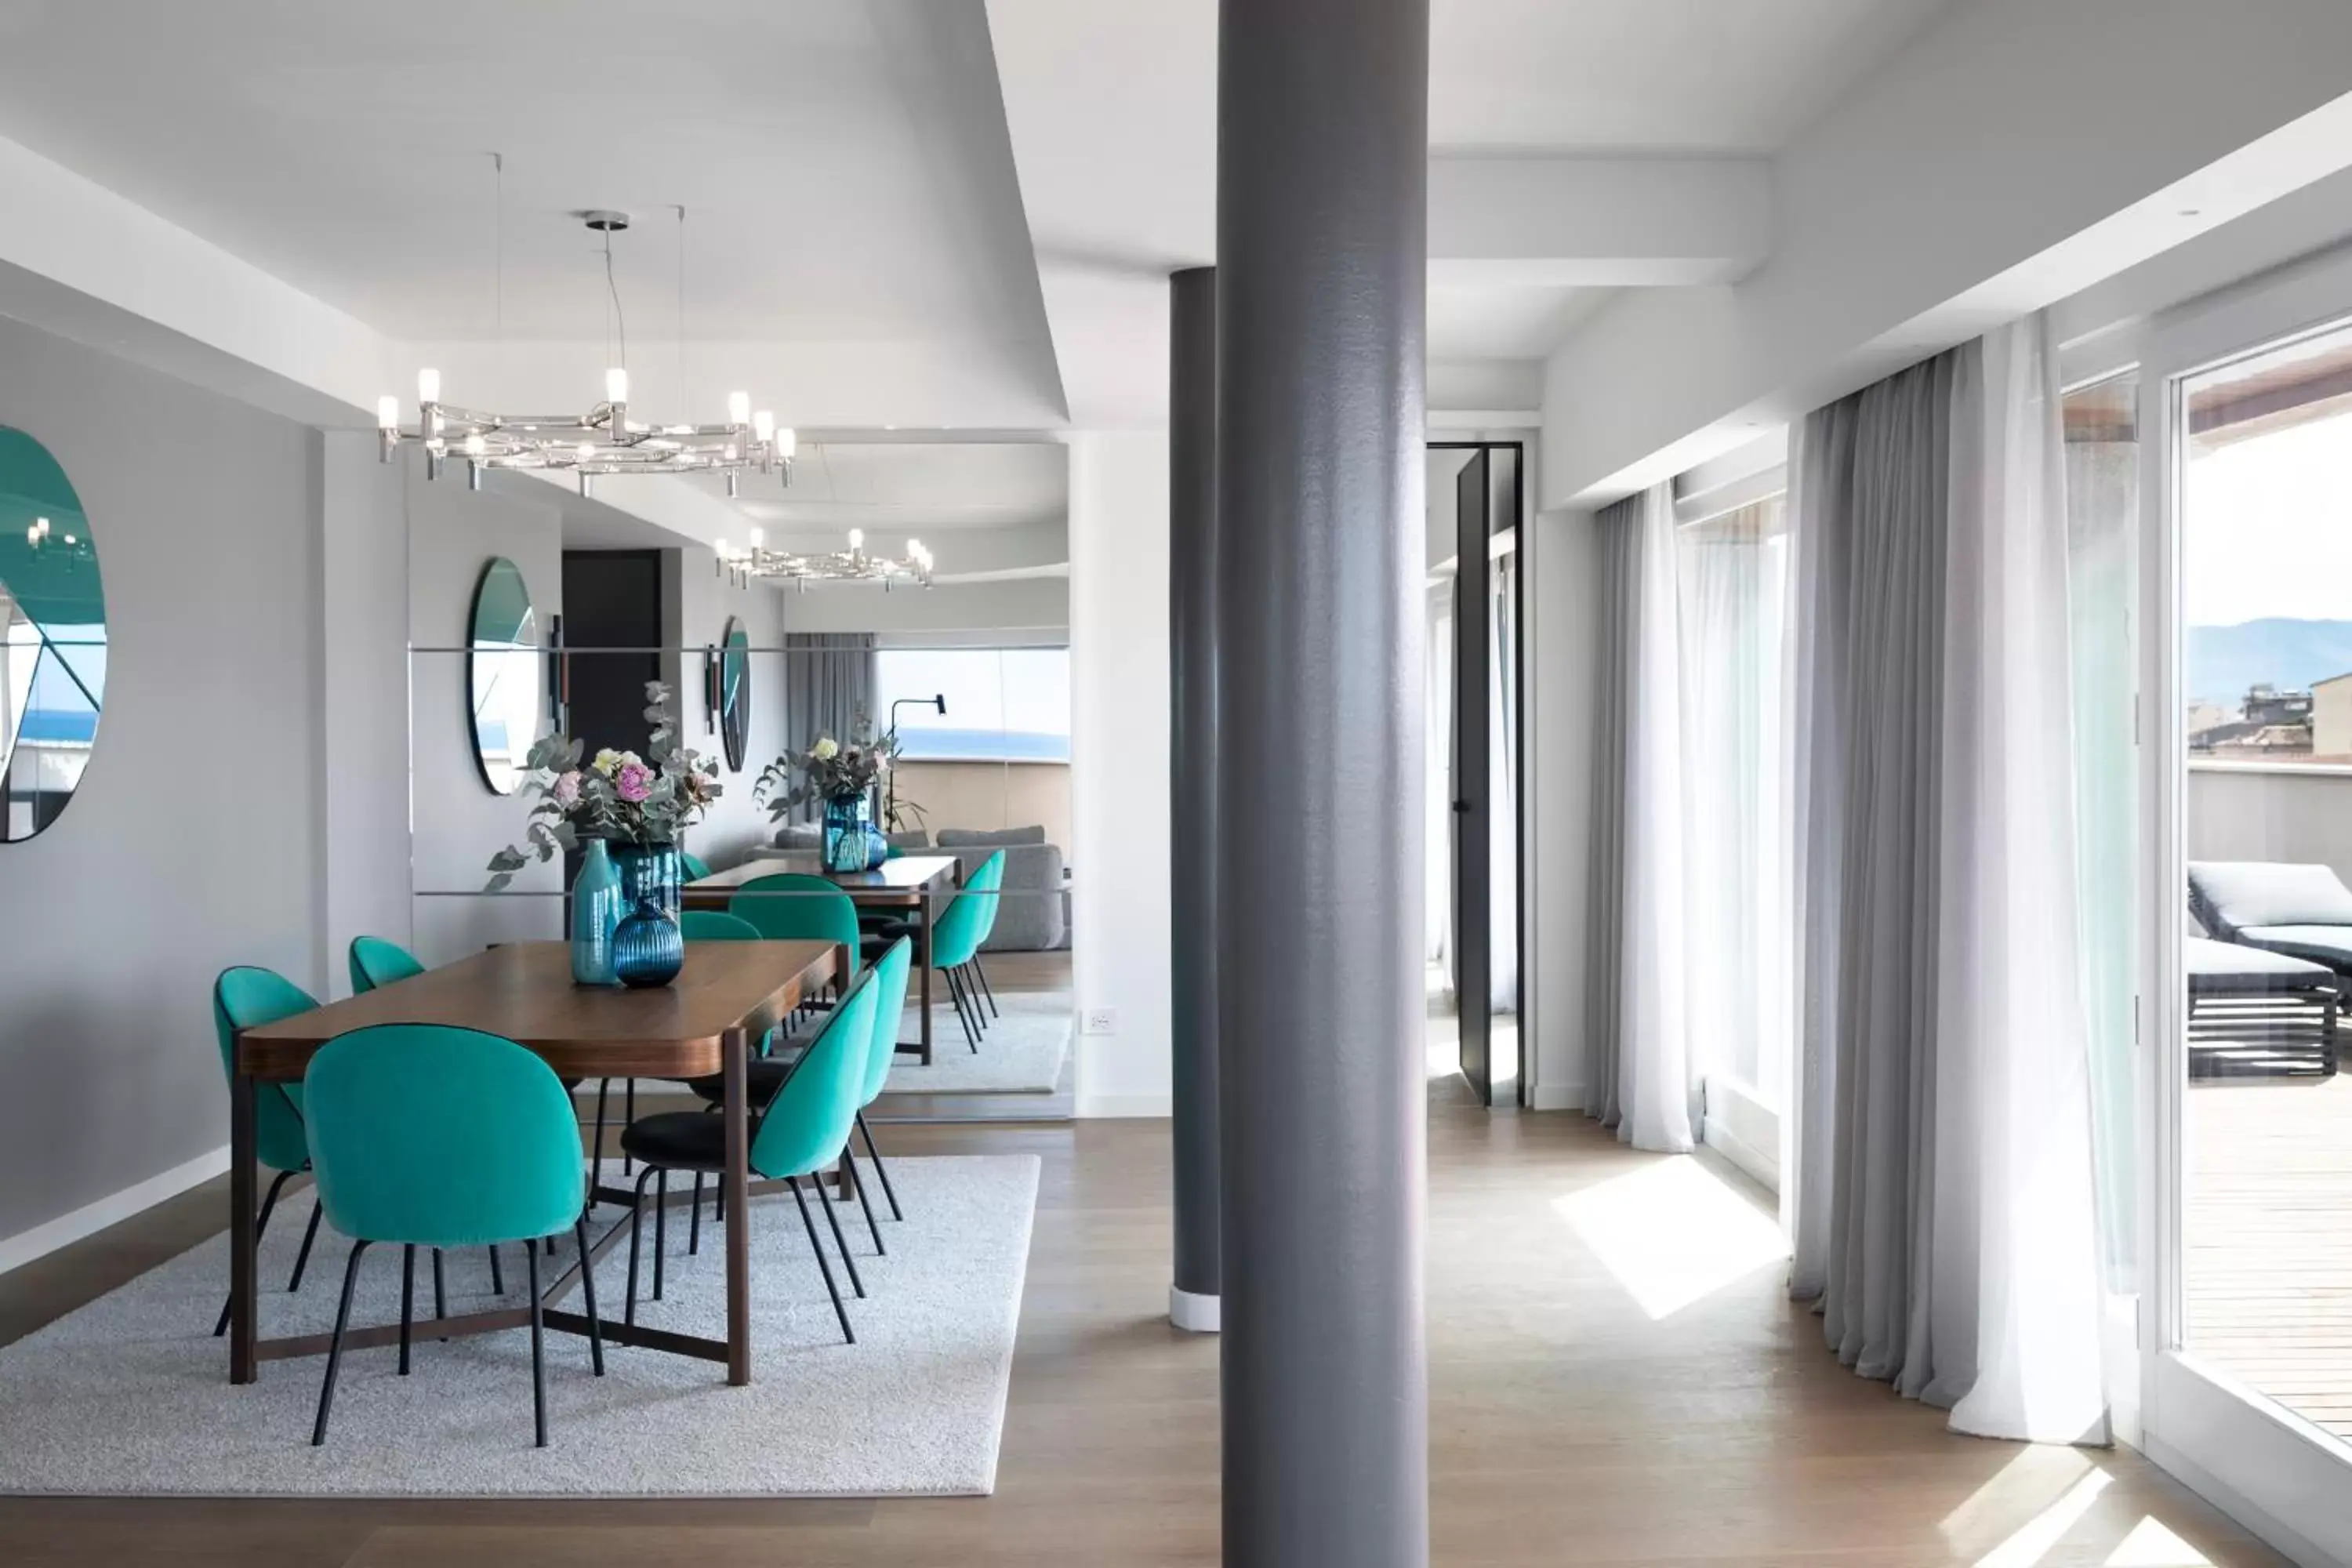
[{"x": 2246, "y": 1328}]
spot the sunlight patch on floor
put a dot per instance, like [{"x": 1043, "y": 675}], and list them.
[
  {"x": 2151, "y": 1545},
  {"x": 1671, "y": 1234},
  {"x": 2040, "y": 1534}
]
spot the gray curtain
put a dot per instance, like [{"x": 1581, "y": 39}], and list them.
[{"x": 829, "y": 687}]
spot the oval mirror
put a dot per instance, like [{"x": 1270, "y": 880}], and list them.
[
  {"x": 735, "y": 693},
  {"x": 502, "y": 675},
  {"x": 52, "y": 637}
]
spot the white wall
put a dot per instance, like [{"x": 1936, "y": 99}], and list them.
[
  {"x": 1563, "y": 663},
  {"x": 699, "y": 601},
  {"x": 2248, "y": 814},
  {"x": 453, "y": 534},
  {"x": 1119, "y": 775},
  {"x": 1016, "y": 603},
  {"x": 991, "y": 796},
  {"x": 192, "y": 844}
]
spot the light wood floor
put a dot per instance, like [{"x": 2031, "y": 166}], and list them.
[
  {"x": 2268, "y": 1234},
  {"x": 1566, "y": 1424}
]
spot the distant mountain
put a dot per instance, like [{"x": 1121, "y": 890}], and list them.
[{"x": 2224, "y": 662}]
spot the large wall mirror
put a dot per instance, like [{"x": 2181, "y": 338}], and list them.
[
  {"x": 502, "y": 675},
  {"x": 52, "y": 637},
  {"x": 735, "y": 693}
]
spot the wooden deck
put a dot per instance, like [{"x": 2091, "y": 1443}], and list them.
[{"x": 2268, "y": 1233}]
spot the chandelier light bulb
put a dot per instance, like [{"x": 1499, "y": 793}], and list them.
[
  {"x": 585, "y": 450},
  {"x": 388, "y": 413},
  {"x": 475, "y": 446},
  {"x": 720, "y": 547},
  {"x": 788, "y": 443},
  {"x": 763, "y": 426},
  {"x": 616, "y": 385},
  {"x": 857, "y": 540},
  {"x": 32, "y": 536},
  {"x": 428, "y": 386},
  {"x": 738, "y": 409},
  {"x": 42, "y": 523},
  {"x": 758, "y": 537}
]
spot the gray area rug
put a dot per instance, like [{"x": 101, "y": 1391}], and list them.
[
  {"x": 1021, "y": 1052},
  {"x": 129, "y": 1394}
]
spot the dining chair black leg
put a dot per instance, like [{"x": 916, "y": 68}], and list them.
[
  {"x": 498, "y": 1274},
  {"x": 971, "y": 989},
  {"x": 838, "y": 1239},
  {"x": 588, "y": 1288},
  {"x": 636, "y": 1232},
  {"x": 335, "y": 1346},
  {"x": 823, "y": 1267},
  {"x": 661, "y": 1227},
  {"x": 302, "y": 1259},
  {"x": 719, "y": 1202},
  {"x": 538, "y": 1356},
  {"x": 963, "y": 1015},
  {"x": 440, "y": 1291},
  {"x": 849, "y": 1174},
  {"x": 260, "y": 1224},
  {"x": 986, "y": 989},
  {"x": 693, "y": 1219},
  {"x": 628, "y": 1115},
  {"x": 879, "y": 1169},
  {"x": 407, "y": 1301}
]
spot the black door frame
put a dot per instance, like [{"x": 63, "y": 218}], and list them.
[{"x": 1474, "y": 935}]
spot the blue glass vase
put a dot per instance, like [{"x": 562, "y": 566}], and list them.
[
  {"x": 849, "y": 832},
  {"x": 648, "y": 947},
  {"x": 596, "y": 909}
]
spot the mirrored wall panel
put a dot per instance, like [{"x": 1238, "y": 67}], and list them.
[
  {"x": 503, "y": 675},
  {"x": 52, "y": 637},
  {"x": 735, "y": 693}
]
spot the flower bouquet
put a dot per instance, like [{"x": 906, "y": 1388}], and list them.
[
  {"x": 625, "y": 900},
  {"x": 842, "y": 775}
]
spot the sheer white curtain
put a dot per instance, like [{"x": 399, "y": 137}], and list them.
[
  {"x": 1502, "y": 784},
  {"x": 1944, "y": 1195},
  {"x": 1638, "y": 1071},
  {"x": 1437, "y": 788}
]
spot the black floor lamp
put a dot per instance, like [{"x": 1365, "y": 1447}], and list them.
[{"x": 890, "y": 800}]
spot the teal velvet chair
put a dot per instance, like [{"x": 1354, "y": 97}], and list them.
[
  {"x": 802, "y": 1128},
  {"x": 425, "y": 1135},
  {"x": 245, "y": 998},
  {"x": 375, "y": 962},
  {"x": 956, "y": 937},
  {"x": 694, "y": 866},
  {"x": 712, "y": 925},
  {"x": 890, "y": 971},
  {"x": 792, "y": 906}
]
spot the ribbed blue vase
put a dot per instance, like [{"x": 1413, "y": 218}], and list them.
[
  {"x": 596, "y": 909},
  {"x": 648, "y": 947},
  {"x": 848, "y": 832}
]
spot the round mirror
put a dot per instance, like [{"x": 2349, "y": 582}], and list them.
[
  {"x": 502, "y": 675},
  {"x": 52, "y": 637},
  {"x": 735, "y": 693}
]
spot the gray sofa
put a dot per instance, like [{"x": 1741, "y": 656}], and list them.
[{"x": 1033, "y": 916}]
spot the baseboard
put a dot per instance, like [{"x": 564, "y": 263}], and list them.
[
  {"x": 1108, "y": 1106},
  {"x": 1750, "y": 1160},
  {"x": 1194, "y": 1314},
  {"x": 91, "y": 1218},
  {"x": 1555, "y": 1096}
]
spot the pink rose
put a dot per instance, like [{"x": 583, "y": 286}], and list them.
[
  {"x": 634, "y": 783},
  {"x": 567, "y": 790}
]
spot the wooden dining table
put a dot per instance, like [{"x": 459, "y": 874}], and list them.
[
  {"x": 920, "y": 883},
  {"x": 728, "y": 994}
]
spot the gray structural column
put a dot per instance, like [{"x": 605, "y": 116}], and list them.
[
  {"x": 1193, "y": 1298},
  {"x": 1322, "y": 160}
]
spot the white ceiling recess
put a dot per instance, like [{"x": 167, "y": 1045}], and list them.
[
  {"x": 852, "y": 240},
  {"x": 1612, "y": 143}
]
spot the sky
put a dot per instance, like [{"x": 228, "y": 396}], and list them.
[{"x": 2267, "y": 528}]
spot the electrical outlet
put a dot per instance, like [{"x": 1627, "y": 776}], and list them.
[{"x": 1102, "y": 1021}]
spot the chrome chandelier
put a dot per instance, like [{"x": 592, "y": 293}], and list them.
[
  {"x": 604, "y": 440},
  {"x": 851, "y": 565}
]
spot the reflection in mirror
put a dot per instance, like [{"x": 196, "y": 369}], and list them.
[
  {"x": 735, "y": 693},
  {"x": 52, "y": 637},
  {"x": 502, "y": 671}
]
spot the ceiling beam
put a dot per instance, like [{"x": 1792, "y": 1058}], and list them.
[{"x": 1596, "y": 222}]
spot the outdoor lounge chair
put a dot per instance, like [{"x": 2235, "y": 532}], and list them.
[
  {"x": 2302, "y": 910},
  {"x": 2255, "y": 1013}
]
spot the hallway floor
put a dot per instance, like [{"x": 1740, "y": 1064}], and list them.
[{"x": 1615, "y": 1380}]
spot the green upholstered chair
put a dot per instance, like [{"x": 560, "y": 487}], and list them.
[
  {"x": 693, "y": 866},
  {"x": 802, "y": 1127},
  {"x": 712, "y": 925},
  {"x": 426, "y": 1135},
  {"x": 375, "y": 962},
  {"x": 245, "y": 998},
  {"x": 792, "y": 906},
  {"x": 956, "y": 937}
]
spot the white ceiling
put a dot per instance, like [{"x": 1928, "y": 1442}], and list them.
[
  {"x": 843, "y": 163},
  {"x": 1718, "y": 76},
  {"x": 892, "y": 488}
]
